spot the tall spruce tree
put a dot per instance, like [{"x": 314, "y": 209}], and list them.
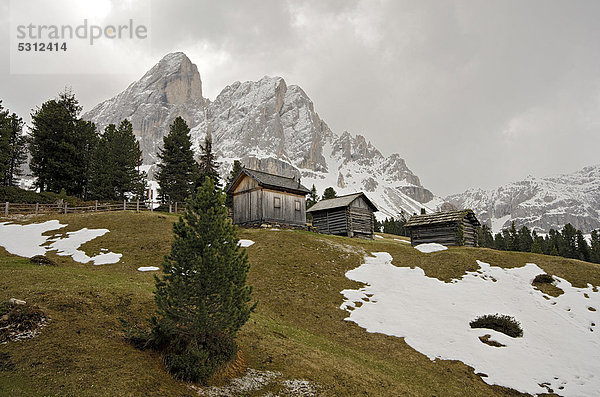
[
  {"x": 202, "y": 298},
  {"x": 208, "y": 166},
  {"x": 583, "y": 249},
  {"x": 13, "y": 147},
  {"x": 61, "y": 146},
  {"x": 177, "y": 170},
  {"x": 235, "y": 170},
  {"x": 312, "y": 198},
  {"x": 595, "y": 246},
  {"x": 114, "y": 172}
]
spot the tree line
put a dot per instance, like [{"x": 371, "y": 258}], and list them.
[
  {"x": 68, "y": 155},
  {"x": 569, "y": 242}
]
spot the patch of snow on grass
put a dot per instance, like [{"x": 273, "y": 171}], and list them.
[
  {"x": 245, "y": 243},
  {"x": 402, "y": 241},
  {"x": 252, "y": 381},
  {"x": 148, "y": 268},
  {"x": 26, "y": 240},
  {"x": 69, "y": 247},
  {"x": 428, "y": 248},
  {"x": 560, "y": 347},
  {"x": 378, "y": 236}
]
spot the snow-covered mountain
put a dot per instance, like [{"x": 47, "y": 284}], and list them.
[
  {"x": 268, "y": 125},
  {"x": 540, "y": 203}
]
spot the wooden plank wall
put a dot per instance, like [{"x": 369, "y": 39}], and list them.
[
  {"x": 360, "y": 220},
  {"x": 334, "y": 221},
  {"x": 443, "y": 234}
]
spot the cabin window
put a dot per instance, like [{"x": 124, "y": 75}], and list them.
[
  {"x": 297, "y": 205},
  {"x": 277, "y": 202}
]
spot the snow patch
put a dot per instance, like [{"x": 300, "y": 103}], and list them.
[
  {"x": 28, "y": 241},
  {"x": 245, "y": 243},
  {"x": 402, "y": 241},
  {"x": 428, "y": 248},
  {"x": 560, "y": 348},
  {"x": 147, "y": 268},
  {"x": 378, "y": 236}
]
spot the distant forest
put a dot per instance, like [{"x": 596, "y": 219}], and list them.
[{"x": 568, "y": 242}]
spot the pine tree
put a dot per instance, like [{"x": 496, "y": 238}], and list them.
[
  {"x": 202, "y": 298},
  {"x": 235, "y": 170},
  {"x": 208, "y": 166},
  {"x": 525, "y": 241},
  {"x": 329, "y": 193},
  {"x": 583, "y": 249},
  {"x": 595, "y": 246},
  {"x": 568, "y": 248},
  {"x": 13, "y": 147},
  {"x": 114, "y": 170},
  {"x": 61, "y": 146},
  {"x": 312, "y": 198},
  {"x": 177, "y": 170}
]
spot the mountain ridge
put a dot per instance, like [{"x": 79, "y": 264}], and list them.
[
  {"x": 269, "y": 125},
  {"x": 539, "y": 203}
]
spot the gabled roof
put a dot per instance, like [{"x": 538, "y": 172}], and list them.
[
  {"x": 272, "y": 181},
  {"x": 342, "y": 201},
  {"x": 442, "y": 217}
]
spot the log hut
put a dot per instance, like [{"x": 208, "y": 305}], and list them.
[
  {"x": 447, "y": 228},
  {"x": 263, "y": 198},
  {"x": 350, "y": 215}
]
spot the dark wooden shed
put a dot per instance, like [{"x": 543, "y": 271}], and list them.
[
  {"x": 260, "y": 197},
  {"x": 350, "y": 215},
  {"x": 447, "y": 228}
]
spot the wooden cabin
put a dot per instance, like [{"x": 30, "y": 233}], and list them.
[
  {"x": 350, "y": 215},
  {"x": 447, "y": 228},
  {"x": 260, "y": 197}
]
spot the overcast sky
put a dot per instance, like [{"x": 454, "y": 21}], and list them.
[{"x": 470, "y": 93}]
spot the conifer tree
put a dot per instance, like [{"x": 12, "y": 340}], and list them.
[
  {"x": 13, "y": 148},
  {"x": 583, "y": 249},
  {"x": 329, "y": 193},
  {"x": 312, "y": 198},
  {"x": 595, "y": 246},
  {"x": 235, "y": 170},
  {"x": 568, "y": 247},
  {"x": 202, "y": 298},
  {"x": 177, "y": 170},
  {"x": 114, "y": 170},
  {"x": 61, "y": 146},
  {"x": 208, "y": 166}
]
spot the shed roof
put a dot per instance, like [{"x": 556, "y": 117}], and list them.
[
  {"x": 442, "y": 217},
  {"x": 271, "y": 181},
  {"x": 342, "y": 201}
]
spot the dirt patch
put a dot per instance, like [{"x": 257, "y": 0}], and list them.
[
  {"x": 20, "y": 321},
  {"x": 268, "y": 383},
  {"x": 490, "y": 342}
]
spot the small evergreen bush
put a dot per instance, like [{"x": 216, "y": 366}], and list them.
[{"x": 499, "y": 322}]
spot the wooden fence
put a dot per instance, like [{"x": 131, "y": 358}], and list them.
[{"x": 64, "y": 208}]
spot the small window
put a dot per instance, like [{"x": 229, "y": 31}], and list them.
[
  {"x": 297, "y": 205},
  {"x": 277, "y": 202}
]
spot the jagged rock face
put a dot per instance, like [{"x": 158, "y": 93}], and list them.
[
  {"x": 540, "y": 203},
  {"x": 171, "y": 88},
  {"x": 268, "y": 125}
]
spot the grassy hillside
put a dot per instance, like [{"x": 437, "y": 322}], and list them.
[{"x": 298, "y": 328}]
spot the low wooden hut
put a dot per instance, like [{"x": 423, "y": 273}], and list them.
[
  {"x": 447, "y": 228},
  {"x": 350, "y": 215},
  {"x": 260, "y": 197}
]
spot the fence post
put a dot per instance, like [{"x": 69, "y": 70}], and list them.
[
  {"x": 37, "y": 208},
  {"x": 96, "y": 205},
  {"x": 169, "y": 207},
  {"x": 124, "y": 205},
  {"x": 151, "y": 206},
  {"x": 66, "y": 208},
  {"x": 137, "y": 206},
  {"x": 6, "y": 209},
  {"x": 175, "y": 206}
]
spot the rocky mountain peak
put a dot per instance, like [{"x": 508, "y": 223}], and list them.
[{"x": 268, "y": 125}]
